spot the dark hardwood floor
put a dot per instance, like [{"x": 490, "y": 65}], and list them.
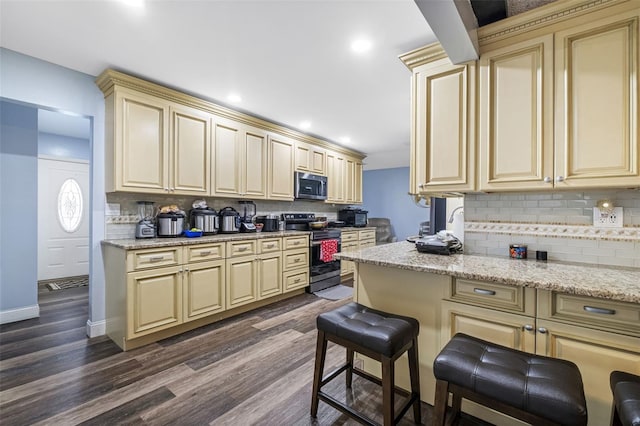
[{"x": 254, "y": 369}]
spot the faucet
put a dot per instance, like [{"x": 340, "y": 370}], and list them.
[{"x": 453, "y": 212}]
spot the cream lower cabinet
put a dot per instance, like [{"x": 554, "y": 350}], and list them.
[
  {"x": 203, "y": 289},
  {"x": 281, "y": 166},
  {"x": 349, "y": 242},
  {"x": 295, "y": 263},
  {"x": 269, "y": 275}
]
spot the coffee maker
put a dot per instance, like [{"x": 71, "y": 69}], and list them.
[
  {"x": 146, "y": 227},
  {"x": 246, "y": 219}
]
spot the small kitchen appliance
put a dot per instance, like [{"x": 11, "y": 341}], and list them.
[
  {"x": 270, "y": 222},
  {"x": 353, "y": 217},
  {"x": 248, "y": 212},
  {"x": 145, "y": 228},
  {"x": 309, "y": 186},
  {"x": 170, "y": 224},
  {"x": 229, "y": 220},
  {"x": 205, "y": 219}
]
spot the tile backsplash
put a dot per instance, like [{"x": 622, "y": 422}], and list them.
[
  {"x": 560, "y": 223},
  {"x": 123, "y": 225}
]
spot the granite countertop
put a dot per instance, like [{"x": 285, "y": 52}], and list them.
[
  {"x": 622, "y": 284},
  {"x": 132, "y": 243}
]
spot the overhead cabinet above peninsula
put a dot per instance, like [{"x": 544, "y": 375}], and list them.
[
  {"x": 557, "y": 104},
  {"x": 161, "y": 141}
]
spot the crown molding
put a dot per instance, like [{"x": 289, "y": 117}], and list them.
[
  {"x": 423, "y": 55},
  {"x": 111, "y": 79}
]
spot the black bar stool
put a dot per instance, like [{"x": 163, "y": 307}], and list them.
[
  {"x": 378, "y": 335},
  {"x": 536, "y": 389},
  {"x": 626, "y": 399}
]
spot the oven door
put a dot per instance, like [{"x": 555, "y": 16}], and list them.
[{"x": 318, "y": 269}]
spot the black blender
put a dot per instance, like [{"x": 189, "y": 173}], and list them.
[
  {"x": 146, "y": 227},
  {"x": 248, "y": 212}
]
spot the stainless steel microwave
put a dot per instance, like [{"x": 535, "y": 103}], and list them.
[{"x": 310, "y": 187}]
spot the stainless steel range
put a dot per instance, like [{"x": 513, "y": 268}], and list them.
[{"x": 322, "y": 273}]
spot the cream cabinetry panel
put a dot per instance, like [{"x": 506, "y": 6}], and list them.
[
  {"x": 270, "y": 245},
  {"x": 203, "y": 289},
  {"x": 310, "y": 158},
  {"x": 190, "y": 150},
  {"x": 296, "y": 279},
  {"x": 597, "y": 80},
  {"x": 240, "y": 160},
  {"x": 443, "y": 154},
  {"x": 154, "y": 300},
  {"x": 295, "y": 242},
  {"x": 269, "y": 275},
  {"x": 242, "y": 281},
  {"x": 518, "y": 300},
  {"x": 295, "y": 262},
  {"x": 281, "y": 153},
  {"x": 138, "y": 260},
  {"x": 335, "y": 177},
  {"x": 204, "y": 252},
  {"x": 137, "y": 143},
  {"x": 516, "y": 116},
  {"x": 596, "y": 353}
]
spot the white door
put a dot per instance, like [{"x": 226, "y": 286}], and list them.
[{"x": 63, "y": 219}]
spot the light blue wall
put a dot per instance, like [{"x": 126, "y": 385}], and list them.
[
  {"x": 39, "y": 83},
  {"x": 63, "y": 146},
  {"x": 384, "y": 194},
  {"x": 18, "y": 217}
]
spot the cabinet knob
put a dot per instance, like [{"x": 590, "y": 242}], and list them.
[
  {"x": 166, "y": 188},
  {"x": 186, "y": 269},
  {"x": 547, "y": 179},
  {"x": 560, "y": 179},
  {"x": 527, "y": 327},
  {"x": 542, "y": 330}
]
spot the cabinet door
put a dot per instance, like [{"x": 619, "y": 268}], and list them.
[
  {"x": 254, "y": 184},
  {"x": 335, "y": 178},
  {"x": 280, "y": 168},
  {"x": 269, "y": 275},
  {"x": 139, "y": 159},
  {"x": 309, "y": 158},
  {"x": 347, "y": 266},
  {"x": 350, "y": 180},
  {"x": 358, "y": 183},
  {"x": 203, "y": 289},
  {"x": 444, "y": 141},
  {"x": 227, "y": 166},
  {"x": 596, "y": 353},
  {"x": 154, "y": 300},
  {"x": 516, "y": 116},
  {"x": 242, "y": 279},
  {"x": 597, "y": 81},
  {"x": 191, "y": 151}
]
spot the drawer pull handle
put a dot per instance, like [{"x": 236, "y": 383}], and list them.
[
  {"x": 601, "y": 311},
  {"x": 484, "y": 292},
  {"x": 295, "y": 243},
  {"x": 205, "y": 253},
  {"x": 242, "y": 248},
  {"x": 297, "y": 280},
  {"x": 296, "y": 260},
  {"x": 270, "y": 246},
  {"x": 156, "y": 258}
]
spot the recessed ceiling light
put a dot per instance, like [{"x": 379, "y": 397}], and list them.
[
  {"x": 133, "y": 3},
  {"x": 234, "y": 98},
  {"x": 361, "y": 45},
  {"x": 345, "y": 139},
  {"x": 305, "y": 124}
]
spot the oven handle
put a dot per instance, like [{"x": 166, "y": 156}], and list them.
[{"x": 317, "y": 243}]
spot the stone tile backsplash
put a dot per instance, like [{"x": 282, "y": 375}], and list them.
[{"x": 560, "y": 223}]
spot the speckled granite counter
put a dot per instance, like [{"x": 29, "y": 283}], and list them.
[
  {"x": 621, "y": 284},
  {"x": 132, "y": 244}
]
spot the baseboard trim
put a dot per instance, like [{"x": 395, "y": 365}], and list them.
[
  {"x": 97, "y": 328},
  {"x": 19, "y": 314}
]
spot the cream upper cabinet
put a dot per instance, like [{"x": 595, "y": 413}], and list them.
[
  {"x": 137, "y": 143},
  {"x": 596, "y": 121},
  {"x": 280, "y": 182},
  {"x": 358, "y": 183},
  {"x": 190, "y": 150},
  {"x": 310, "y": 158},
  {"x": 335, "y": 177},
  {"x": 239, "y": 160},
  {"x": 443, "y": 134},
  {"x": 516, "y": 116}
]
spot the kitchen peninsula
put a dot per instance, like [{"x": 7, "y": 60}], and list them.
[{"x": 589, "y": 315}]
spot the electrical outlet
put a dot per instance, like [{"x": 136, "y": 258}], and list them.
[{"x": 608, "y": 220}]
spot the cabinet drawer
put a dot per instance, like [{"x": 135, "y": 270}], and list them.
[
  {"x": 349, "y": 236},
  {"x": 269, "y": 245},
  {"x": 299, "y": 241},
  {"x": 201, "y": 253},
  {"x": 295, "y": 279},
  {"x": 241, "y": 248},
  {"x": 621, "y": 317},
  {"x": 153, "y": 258},
  {"x": 296, "y": 259},
  {"x": 368, "y": 234},
  {"x": 494, "y": 295}
]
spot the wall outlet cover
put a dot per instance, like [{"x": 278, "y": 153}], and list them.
[{"x": 608, "y": 220}]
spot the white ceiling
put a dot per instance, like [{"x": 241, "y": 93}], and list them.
[{"x": 289, "y": 60}]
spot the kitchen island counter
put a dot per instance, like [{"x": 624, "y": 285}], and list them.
[{"x": 615, "y": 283}]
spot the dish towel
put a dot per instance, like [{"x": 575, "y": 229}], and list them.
[{"x": 327, "y": 249}]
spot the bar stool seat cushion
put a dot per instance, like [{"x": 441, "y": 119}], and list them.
[
  {"x": 377, "y": 331},
  {"x": 626, "y": 394},
  {"x": 548, "y": 387}
]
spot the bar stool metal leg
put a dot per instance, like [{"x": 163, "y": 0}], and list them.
[
  {"x": 349, "y": 375},
  {"x": 321, "y": 353},
  {"x": 415, "y": 379},
  {"x": 387, "y": 390}
]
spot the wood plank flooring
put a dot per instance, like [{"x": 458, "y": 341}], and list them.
[{"x": 254, "y": 369}]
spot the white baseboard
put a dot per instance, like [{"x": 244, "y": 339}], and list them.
[
  {"x": 97, "y": 328},
  {"x": 19, "y": 314}
]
